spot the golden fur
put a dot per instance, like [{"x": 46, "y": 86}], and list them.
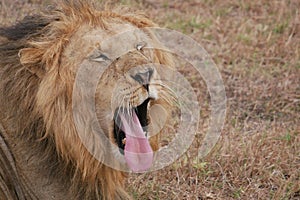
[{"x": 37, "y": 73}]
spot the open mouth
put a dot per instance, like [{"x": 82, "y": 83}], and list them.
[
  {"x": 119, "y": 135},
  {"x": 130, "y": 134}
]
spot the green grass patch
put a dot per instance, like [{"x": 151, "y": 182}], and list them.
[
  {"x": 237, "y": 193},
  {"x": 288, "y": 137},
  {"x": 190, "y": 25},
  {"x": 280, "y": 28},
  {"x": 244, "y": 38},
  {"x": 222, "y": 12}
]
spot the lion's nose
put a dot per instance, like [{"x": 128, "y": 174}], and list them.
[{"x": 143, "y": 77}]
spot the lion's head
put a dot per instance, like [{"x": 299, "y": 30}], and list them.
[
  {"x": 127, "y": 86},
  {"x": 76, "y": 38}
]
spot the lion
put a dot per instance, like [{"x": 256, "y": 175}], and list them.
[{"x": 43, "y": 155}]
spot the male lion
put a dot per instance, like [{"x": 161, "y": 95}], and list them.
[{"x": 43, "y": 130}]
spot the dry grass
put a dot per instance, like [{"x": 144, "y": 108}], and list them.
[{"x": 256, "y": 45}]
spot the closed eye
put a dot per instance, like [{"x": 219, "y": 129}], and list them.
[{"x": 100, "y": 58}]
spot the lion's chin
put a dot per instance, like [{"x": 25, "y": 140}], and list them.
[{"x": 130, "y": 134}]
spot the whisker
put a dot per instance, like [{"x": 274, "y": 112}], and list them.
[
  {"x": 121, "y": 108},
  {"x": 168, "y": 94}
]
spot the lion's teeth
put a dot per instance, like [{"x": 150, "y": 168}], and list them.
[
  {"x": 146, "y": 133},
  {"x": 124, "y": 141}
]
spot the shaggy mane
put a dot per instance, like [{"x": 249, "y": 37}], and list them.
[{"x": 41, "y": 110}]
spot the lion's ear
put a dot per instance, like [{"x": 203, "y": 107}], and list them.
[{"x": 30, "y": 58}]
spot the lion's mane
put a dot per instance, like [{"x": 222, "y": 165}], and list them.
[{"x": 36, "y": 112}]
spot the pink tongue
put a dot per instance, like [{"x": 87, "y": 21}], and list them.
[{"x": 138, "y": 152}]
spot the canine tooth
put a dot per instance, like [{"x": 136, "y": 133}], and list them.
[
  {"x": 124, "y": 141},
  {"x": 146, "y": 133}
]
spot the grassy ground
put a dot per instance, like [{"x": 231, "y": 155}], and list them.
[{"x": 256, "y": 46}]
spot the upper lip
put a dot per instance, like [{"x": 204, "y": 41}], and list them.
[{"x": 142, "y": 114}]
